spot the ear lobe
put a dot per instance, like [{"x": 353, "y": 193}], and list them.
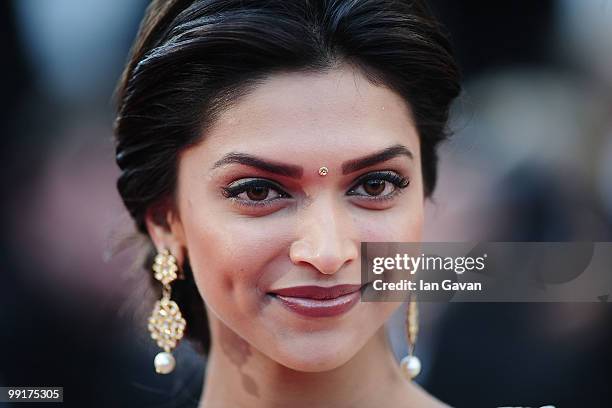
[{"x": 166, "y": 230}]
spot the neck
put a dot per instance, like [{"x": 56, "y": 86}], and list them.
[{"x": 238, "y": 375}]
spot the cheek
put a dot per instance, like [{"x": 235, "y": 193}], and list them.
[
  {"x": 403, "y": 223},
  {"x": 228, "y": 255}
]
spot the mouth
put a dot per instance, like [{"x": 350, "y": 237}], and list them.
[{"x": 318, "y": 301}]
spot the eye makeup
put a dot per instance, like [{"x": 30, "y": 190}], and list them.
[
  {"x": 398, "y": 181},
  {"x": 253, "y": 187},
  {"x": 256, "y": 192}
]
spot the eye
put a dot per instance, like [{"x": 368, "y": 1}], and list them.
[
  {"x": 379, "y": 185},
  {"x": 254, "y": 192}
]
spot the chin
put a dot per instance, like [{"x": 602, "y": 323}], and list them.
[
  {"x": 318, "y": 354},
  {"x": 315, "y": 363}
]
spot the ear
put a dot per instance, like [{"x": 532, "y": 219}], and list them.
[{"x": 166, "y": 229}]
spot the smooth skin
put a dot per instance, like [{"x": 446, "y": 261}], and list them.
[{"x": 297, "y": 228}]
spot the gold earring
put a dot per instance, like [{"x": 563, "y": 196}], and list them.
[
  {"x": 411, "y": 365},
  {"x": 166, "y": 323}
]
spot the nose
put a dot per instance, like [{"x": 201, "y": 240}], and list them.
[{"x": 325, "y": 237}]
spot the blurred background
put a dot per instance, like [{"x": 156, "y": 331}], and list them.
[{"x": 530, "y": 160}]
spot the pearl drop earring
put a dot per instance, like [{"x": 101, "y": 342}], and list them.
[
  {"x": 166, "y": 323},
  {"x": 411, "y": 365}
]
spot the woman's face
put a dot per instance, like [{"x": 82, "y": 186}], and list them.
[{"x": 257, "y": 217}]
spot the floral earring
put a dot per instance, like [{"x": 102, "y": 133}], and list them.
[
  {"x": 411, "y": 365},
  {"x": 166, "y": 323}
]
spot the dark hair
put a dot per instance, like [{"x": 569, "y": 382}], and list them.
[{"x": 192, "y": 59}]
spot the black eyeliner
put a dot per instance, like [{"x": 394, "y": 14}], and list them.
[
  {"x": 240, "y": 187},
  {"x": 386, "y": 175}
]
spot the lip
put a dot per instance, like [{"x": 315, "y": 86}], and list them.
[{"x": 318, "y": 301}]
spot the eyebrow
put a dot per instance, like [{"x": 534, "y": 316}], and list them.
[
  {"x": 293, "y": 171},
  {"x": 375, "y": 158}
]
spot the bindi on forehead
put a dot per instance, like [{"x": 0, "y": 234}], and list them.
[{"x": 294, "y": 171}]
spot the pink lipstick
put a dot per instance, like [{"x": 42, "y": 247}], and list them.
[{"x": 318, "y": 301}]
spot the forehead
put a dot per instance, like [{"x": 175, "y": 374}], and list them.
[{"x": 314, "y": 114}]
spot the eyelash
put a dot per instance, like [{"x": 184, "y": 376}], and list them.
[{"x": 232, "y": 191}]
